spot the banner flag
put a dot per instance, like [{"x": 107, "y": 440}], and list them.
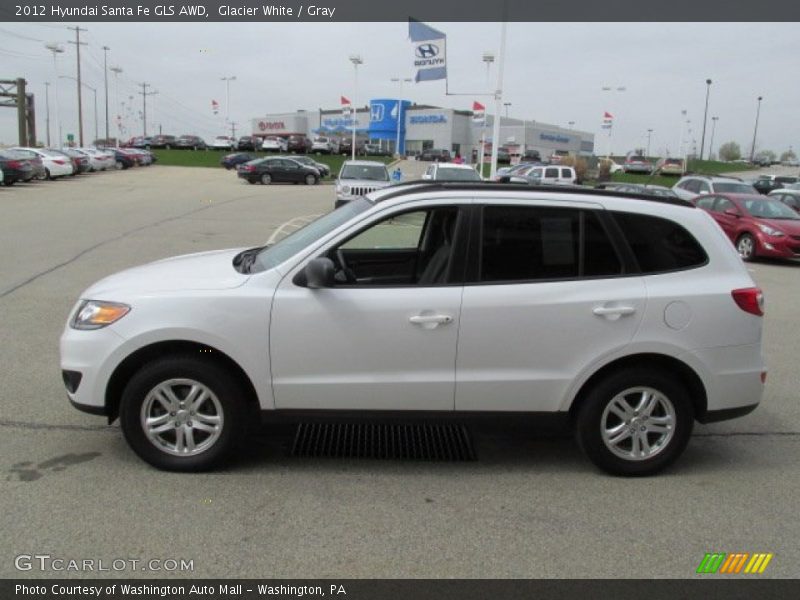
[{"x": 430, "y": 51}]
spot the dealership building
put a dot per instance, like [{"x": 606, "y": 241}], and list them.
[{"x": 422, "y": 127}]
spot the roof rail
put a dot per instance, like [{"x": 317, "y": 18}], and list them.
[{"x": 408, "y": 187}]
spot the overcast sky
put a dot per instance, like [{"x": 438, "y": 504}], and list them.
[{"x": 554, "y": 73}]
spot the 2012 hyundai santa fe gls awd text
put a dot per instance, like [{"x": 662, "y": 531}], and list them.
[{"x": 633, "y": 317}]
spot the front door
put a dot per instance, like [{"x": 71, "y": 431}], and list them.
[{"x": 384, "y": 336}]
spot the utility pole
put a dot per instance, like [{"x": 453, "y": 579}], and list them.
[
  {"x": 117, "y": 70},
  {"x": 105, "y": 82},
  {"x": 145, "y": 94},
  {"x": 233, "y": 129},
  {"x": 47, "y": 109},
  {"x": 78, "y": 43}
]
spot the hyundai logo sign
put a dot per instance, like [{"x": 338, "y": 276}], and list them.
[{"x": 427, "y": 50}]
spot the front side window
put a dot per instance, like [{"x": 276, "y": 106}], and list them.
[{"x": 542, "y": 243}]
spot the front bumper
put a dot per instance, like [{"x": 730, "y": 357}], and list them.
[{"x": 778, "y": 247}]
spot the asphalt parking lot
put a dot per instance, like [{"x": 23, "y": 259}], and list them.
[{"x": 529, "y": 507}]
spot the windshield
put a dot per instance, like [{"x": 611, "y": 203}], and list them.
[
  {"x": 765, "y": 208},
  {"x": 734, "y": 188},
  {"x": 369, "y": 172},
  {"x": 293, "y": 243},
  {"x": 449, "y": 174}
]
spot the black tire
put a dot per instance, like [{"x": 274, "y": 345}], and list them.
[
  {"x": 266, "y": 178},
  {"x": 225, "y": 387},
  {"x": 311, "y": 179},
  {"x": 9, "y": 182},
  {"x": 746, "y": 246},
  {"x": 589, "y": 421}
]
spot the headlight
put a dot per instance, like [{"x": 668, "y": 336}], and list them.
[
  {"x": 769, "y": 230},
  {"x": 95, "y": 314},
  {"x": 345, "y": 189}
]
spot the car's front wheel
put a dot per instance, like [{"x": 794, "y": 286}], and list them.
[
  {"x": 266, "y": 178},
  {"x": 182, "y": 413},
  {"x": 746, "y": 246},
  {"x": 311, "y": 179},
  {"x": 635, "y": 422}
]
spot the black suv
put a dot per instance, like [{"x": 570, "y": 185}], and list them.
[
  {"x": 163, "y": 141},
  {"x": 435, "y": 154},
  {"x": 298, "y": 143},
  {"x": 190, "y": 141},
  {"x": 249, "y": 142}
]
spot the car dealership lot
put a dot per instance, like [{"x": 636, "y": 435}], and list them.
[{"x": 529, "y": 507}]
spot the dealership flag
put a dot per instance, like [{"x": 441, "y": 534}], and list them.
[
  {"x": 215, "y": 106},
  {"x": 430, "y": 51},
  {"x": 478, "y": 113},
  {"x": 344, "y": 100},
  {"x": 608, "y": 120},
  {"x": 345, "y": 106}
]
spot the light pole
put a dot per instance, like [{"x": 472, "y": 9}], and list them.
[
  {"x": 755, "y": 131},
  {"x": 488, "y": 58},
  {"x": 47, "y": 109},
  {"x": 56, "y": 49},
  {"x": 94, "y": 90},
  {"x": 227, "y": 81},
  {"x": 649, "y": 133},
  {"x": 400, "y": 116},
  {"x": 506, "y": 104},
  {"x": 498, "y": 95},
  {"x": 105, "y": 83},
  {"x": 116, "y": 71},
  {"x": 711, "y": 142},
  {"x": 705, "y": 119},
  {"x": 356, "y": 60}
]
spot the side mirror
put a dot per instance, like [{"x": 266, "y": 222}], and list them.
[
  {"x": 732, "y": 213},
  {"x": 318, "y": 273}
]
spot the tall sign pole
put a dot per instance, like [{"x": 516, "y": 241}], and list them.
[{"x": 78, "y": 43}]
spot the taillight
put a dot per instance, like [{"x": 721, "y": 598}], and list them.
[
  {"x": 750, "y": 300},
  {"x": 58, "y": 161},
  {"x": 14, "y": 164}
]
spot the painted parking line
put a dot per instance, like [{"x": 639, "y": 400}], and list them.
[{"x": 290, "y": 226}]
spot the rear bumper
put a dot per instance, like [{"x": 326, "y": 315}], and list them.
[{"x": 713, "y": 416}]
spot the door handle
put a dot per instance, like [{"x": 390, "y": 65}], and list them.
[
  {"x": 430, "y": 321},
  {"x": 612, "y": 313}
]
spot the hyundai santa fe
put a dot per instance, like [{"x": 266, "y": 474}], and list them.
[{"x": 630, "y": 317}]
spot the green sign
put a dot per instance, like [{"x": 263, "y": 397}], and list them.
[{"x": 70, "y": 137}]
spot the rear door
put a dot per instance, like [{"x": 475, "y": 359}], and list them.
[{"x": 548, "y": 295}]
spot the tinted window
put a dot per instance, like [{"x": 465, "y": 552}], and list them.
[
  {"x": 566, "y": 173},
  {"x": 704, "y": 187},
  {"x": 528, "y": 244},
  {"x": 551, "y": 172},
  {"x": 660, "y": 245},
  {"x": 734, "y": 188}
]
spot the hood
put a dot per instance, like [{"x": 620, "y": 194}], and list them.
[{"x": 201, "y": 271}]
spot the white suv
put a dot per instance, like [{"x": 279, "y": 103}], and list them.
[{"x": 631, "y": 318}]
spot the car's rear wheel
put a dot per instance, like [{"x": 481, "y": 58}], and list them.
[
  {"x": 311, "y": 179},
  {"x": 182, "y": 413},
  {"x": 635, "y": 422},
  {"x": 746, "y": 246},
  {"x": 266, "y": 178}
]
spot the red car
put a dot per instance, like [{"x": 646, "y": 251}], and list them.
[{"x": 757, "y": 225}]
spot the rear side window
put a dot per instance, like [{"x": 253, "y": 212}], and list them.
[
  {"x": 660, "y": 245},
  {"x": 551, "y": 172},
  {"x": 522, "y": 243}
]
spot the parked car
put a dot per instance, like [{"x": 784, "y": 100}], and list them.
[
  {"x": 672, "y": 166},
  {"x": 325, "y": 145},
  {"x": 414, "y": 300},
  {"x": 223, "y": 142},
  {"x": 790, "y": 196},
  {"x": 324, "y": 170},
  {"x": 123, "y": 160},
  {"x": 375, "y": 150},
  {"x": 192, "y": 142},
  {"x": 503, "y": 173},
  {"x": 530, "y": 156},
  {"x": 759, "y": 226},
  {"x": 692, "y": 186},
  {"x": 137, "y": 142},
  {"x": 162, "y": 141},
  {"x": 80, "y": 161},
  {"x": 360, "y": 177},
  {"x": 99, "y": 160},
  {"x": 274, "y": 143},
  {"x": 346, "y": 147},
  {"x": 435, "y": 154},
  {"x": 249, "y": 143},
  {"x": 55, "y": 164},
  {"x": 637, "y": 164},
  {"x": 15, "y": 168},
  {"x": 503, "y": 156},
  {"x": 440, "y": 171},
  {"x": 298, "y": 143},
  {"x": 278, "y": 170},
  {"x": 231, "y": 161},
  {"x": 764, "y": 185},
  {"x": 544, "y": 175}
]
